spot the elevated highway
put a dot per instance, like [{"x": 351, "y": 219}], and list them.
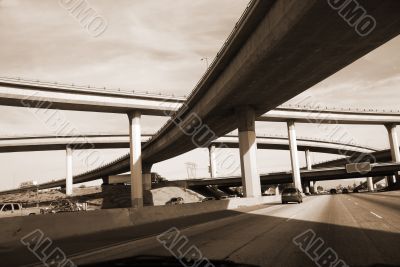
[
  {"x": 323, "y": 174},
  {"x": 334, "y": 173},
  {"x": 48, "y": 143},
  {"x": 42, "y": 95},
  {"x": 109, "y": 141},
  {"x": 331, "y": 116},
  {"x": 47, "y": 95}
]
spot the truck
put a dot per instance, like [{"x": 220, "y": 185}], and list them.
[{"x": 15, "y": 209}]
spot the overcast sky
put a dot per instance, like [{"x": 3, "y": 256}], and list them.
[{"x": 157, "y": 46}]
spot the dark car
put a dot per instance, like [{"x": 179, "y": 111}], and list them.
[
  {"x": 333, "y": 191},
  {"x": 175, "y": 201},
  {"x": 291, "y": 195},
  {"x": 345, "y": 191}
]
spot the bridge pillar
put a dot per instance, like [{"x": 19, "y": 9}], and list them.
[
  {"x": 309, "y": 168},
  {"x": 394, "y": 148},
  {"x": 213, "y": 163},
  {"x": 294, "y": 155},
  {"x": 307, "y": 187},
  {"x": 147, "y": 176},
  {"x": 248, "y": 152},
  {"x": 106, "y": 180},
  {"x": 370, "y": 184},
  {"x": 135, "y": 159},
  {"x": 312, "y": 187},
  {"x": 69, "y": 177}
]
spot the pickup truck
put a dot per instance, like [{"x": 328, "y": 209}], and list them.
[{"x": 15, "y": 209}]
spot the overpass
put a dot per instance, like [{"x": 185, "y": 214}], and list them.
[
  {"x": 45, "y": 95},
  {"x": 276, "y": 51},
  {"x": 331, "y": 116},
  {"x": 52, "y": 95},
  {"x": 377, "y": 170},
  {"x": 110, "y": 141},
  {"x": 107, "y": 141},
  {"x": 334, "y": 173}
]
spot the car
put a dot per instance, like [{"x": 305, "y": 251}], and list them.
[
  {"x": 345, "y": 191},
  {"x": 64, "y": 205},
  {"x": 175, "y": 201},
  {"x": 333, "y": 191},
  {"x": 15, "y": 209},
  {"x": 291, "y": 194}
]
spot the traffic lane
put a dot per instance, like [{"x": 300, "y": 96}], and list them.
[
  {"x": 365, "y": 240},
  {"x": 380, "y": 232},
  {"x": 387, "y": 201},
  {"x": 379, "y": 205},
  {"x": 254, "y": 238},
  {"x": 265, "y": 237},
  {"x": 328, "y": 218}
]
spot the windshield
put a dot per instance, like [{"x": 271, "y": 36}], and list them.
[{"x": 289, "y": 190}]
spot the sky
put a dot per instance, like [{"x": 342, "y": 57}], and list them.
[{"x": 157, "y": 46}]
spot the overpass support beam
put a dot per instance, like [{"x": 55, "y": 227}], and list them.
[
  {"x": 69, "y": 179},
  {"x": 309, "y": 168},
  {"x": 213, "y": 162},
  {"x": 294, "y": 155},
  {"x": 147, "y": 176},
  {"x": 248, "y": 152},
  {"x": 135, "y": 159},
  {"x": 370, "y": 184},
  {"x": 394, "y": 148}
]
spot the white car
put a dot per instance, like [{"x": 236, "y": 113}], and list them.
[{"x": 15, "y": 209}]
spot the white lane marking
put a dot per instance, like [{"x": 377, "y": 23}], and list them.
[
  {"x": 290, "y": 218},
  {"x": 373, "y": 213}
]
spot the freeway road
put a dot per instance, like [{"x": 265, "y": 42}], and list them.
[{"x": 363, "y": 229}]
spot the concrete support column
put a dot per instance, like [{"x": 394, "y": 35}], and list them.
[
  {"x": 135, "y": 159},
  {"x": 370, "y": 184},
  {"x": 277, "y": 190},
  {"x": 213, "y": 163},
  {"x": 294, "y": 155},
  {"x": 309, "y": 168},
  {"x": 68, "y": 180},
  {"x": 307, "y": 188},
  {"x": 394, "y": 148},
  {"x": 312, "y": 187},
  {"x": 308, "y": 160},
  {"x": 106, "y": 180},
  {"x": 248, "y": 152},
  {"x": 147, "y": 176}
]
